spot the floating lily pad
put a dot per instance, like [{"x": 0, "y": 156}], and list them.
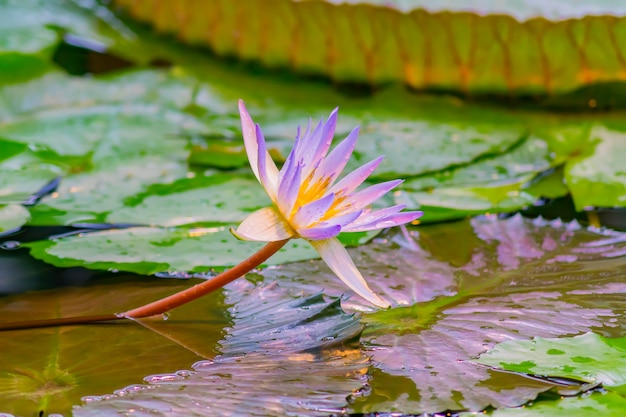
[
  {"x": 531, "y": 156},
  {"x": 420, "y": 146},
  {"x": 12, "y": 216},
  {"x": 604, "y": 404},
  {"x": 147, "y": 250},
  {"x": 460, "y": 288},
  {"x": 598, "y": 177},
  {"x": 217, "y": 199},
  {"x": 25, "y": 43},
  {"x": 458, "y": 202},
  {"x": 589, "y": 357},
  {"x": 90, "y": 196},
  {"x": 17, "y": 186}
]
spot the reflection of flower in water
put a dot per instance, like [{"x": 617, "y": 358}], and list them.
[{"x": 310, "y": 203}]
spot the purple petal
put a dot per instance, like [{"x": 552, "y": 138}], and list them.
[
  {"x": 336, "y": 161},
  {"x": 319, "y": 233},
  {"x": 309, "y": 144},
  {"x": 338, "y": 260},
  {"x": 367, "y": 196},
  {"x": 385, "y": 222},
  {"x": 351, "y": 181},
  {"x": 369, "y": 215},
  {"x": 317, "y": 144},
  {"x": 312, "y": 212},
  {"x": 341, "y": 220},
  {"x": 289, "y": 188}
]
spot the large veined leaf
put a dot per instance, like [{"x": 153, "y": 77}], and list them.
[
  {"x": 527, "y": 48},
  {"x": 283, "y": 355},
  {"x": 589, "y": 357},
  {"x": 148, "y": 250},
  {"x": 46, "y": 371},
  {"x": 461, "y": 289}
]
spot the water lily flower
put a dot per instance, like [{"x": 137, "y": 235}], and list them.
[{"x": 311, "y": 202}]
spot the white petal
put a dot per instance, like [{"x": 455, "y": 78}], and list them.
[
  {"x": 264, "y": 225},
  {"x": 251, "y": 143},
  {"x": 338, "y": 260}
]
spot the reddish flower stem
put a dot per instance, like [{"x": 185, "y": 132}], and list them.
[{"x": 165, "y": 304}]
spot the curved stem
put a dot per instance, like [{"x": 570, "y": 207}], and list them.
[
  {"x": 197, "y": 291},
  {"x": 165, "y": 304}
]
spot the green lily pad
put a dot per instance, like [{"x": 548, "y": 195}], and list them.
[
  {"x": 89, "y": 196},
  {"x": 217, "y": 199},
  {"x": 22, "y": 32},
  {"x": 531, "y": 156},
  {"x": 603, "y": 404},
  {"x": 589, "y": 357},
  {"x": 13, "y": 216},
  {"x": 598, "y": 177},
  {"x": 76, "y": 131},
  {"x": 68, "y": 363},
  {"x": 415, "y": 147},
  {"x": 25, "y": 43},
  {"x": 457, "y": 202},
  {"x": 16, "y": 186},
  {"x": 146, "y": 250}
]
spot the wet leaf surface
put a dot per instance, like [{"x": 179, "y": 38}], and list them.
[
  {"x": 201, "y": 200},
  {"x": 507, "y": 280},
  {"x": 589, "y": 357},
  {"x": 148, "y": 250},
  {"x": 283, "y": 355},
  {"x": 89, "y": 197},
  {"x": 604, "y": 404},
  {"x": 12, "y": 217}
]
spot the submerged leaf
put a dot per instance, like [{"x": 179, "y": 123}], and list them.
[
  {"x": 496, "y": 280},
  {"x": 283, "y": 355}
]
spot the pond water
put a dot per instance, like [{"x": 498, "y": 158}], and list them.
[{"x": 122, "y": 169}]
